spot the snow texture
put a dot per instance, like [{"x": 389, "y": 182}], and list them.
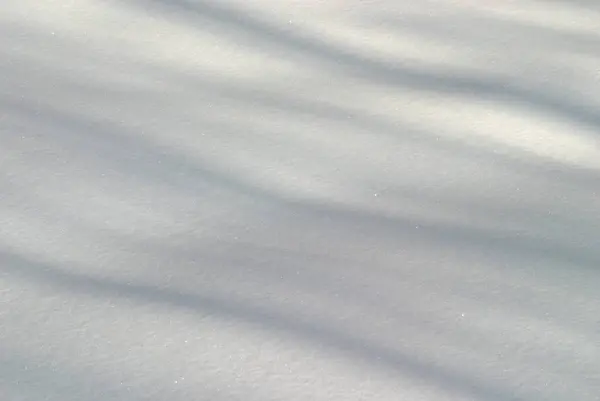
[{"x": 299, "y": 200}]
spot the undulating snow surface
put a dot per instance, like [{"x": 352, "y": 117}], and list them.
[{"x": 299, "y": 200}]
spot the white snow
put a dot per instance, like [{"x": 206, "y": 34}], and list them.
[{"x": 299, "y": 200}]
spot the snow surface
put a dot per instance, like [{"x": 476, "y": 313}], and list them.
[{"x": 299, "y": 200}]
